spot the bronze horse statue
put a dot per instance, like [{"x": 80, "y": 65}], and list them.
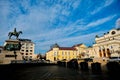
[{"x": 15, "y": 33}]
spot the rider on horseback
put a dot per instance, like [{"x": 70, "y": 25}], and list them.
[{"x": 15, "y": 33}]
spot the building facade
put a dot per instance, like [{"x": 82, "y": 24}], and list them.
[
  {"x": 57, "y": 53},
  {"x": 106, "y": 46},
  {"x": 27, "y": 49},
  {"x": 1, "y": 48}
]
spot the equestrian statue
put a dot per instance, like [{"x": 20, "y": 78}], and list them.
[{"x": 15, "y": 33}]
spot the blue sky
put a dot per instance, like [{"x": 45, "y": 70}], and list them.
[{"x": 66, "y": 22}]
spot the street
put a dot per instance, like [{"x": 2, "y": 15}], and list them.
[{"x": 52, "y": 72}]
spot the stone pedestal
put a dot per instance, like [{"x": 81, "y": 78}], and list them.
[
  {"x": 11, "y": 51},
  {"x": 11, "y": 45}
]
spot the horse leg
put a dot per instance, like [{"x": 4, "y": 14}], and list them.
[
  {"x": 10, "y": 37},
  {"x": 16, "y": 37}
]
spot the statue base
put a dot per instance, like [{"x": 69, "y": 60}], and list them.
[
  {"x": 12, "y": 45},
  {"x": 11, "y": 51},
  {"x": 12, "y": 41}
]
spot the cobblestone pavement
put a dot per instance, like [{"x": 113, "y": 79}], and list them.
[{"x": 50, "y": 73}]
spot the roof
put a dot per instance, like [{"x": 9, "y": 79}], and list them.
[
  {"x": 67, "y": 48},
  {"x": 77, "y": 45},
  {"x": 55, "y": 45},
  {"x": 64, "y": 48},
  {"x": 24, "y": 40}
]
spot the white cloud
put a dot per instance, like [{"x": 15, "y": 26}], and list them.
[
  {"x": 59, "y": 35},
  {"x": 44, "y": 23},
  {"x": 76, "y": 3},
  {"x": 70, "y": 41},
  {"x": 102, "y": 6},
  {"x": 108, "y": 2},
  {"x": 40, "y": 20},
  {"x": 117, "y": 23},
  {"x": 100, "y": 21},
  {"x": 63, "y": 32}
]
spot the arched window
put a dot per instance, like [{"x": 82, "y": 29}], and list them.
[
  {"x": 104, "y": 55},
  {"x": 108, "y": 52},
  {"x": 100, "y": 53}
]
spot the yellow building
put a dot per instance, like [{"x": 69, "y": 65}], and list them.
[
  {"x": 105, "y": 47},
  {"x": 57, "y": 53}
]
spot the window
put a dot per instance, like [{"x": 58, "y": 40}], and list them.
[
  {"x": 30, "y": 53},
  {"x": 26, "y": 53},
  {"x": 31, "y": 47},
  {"x": 22, "y": 43},
  {"x": 26, "y": 50},
  {"x": 26, "y": 57},
  {"x": 65, "y": 53},
  {"x": 23, "y": 47},
  {"x": 30, "y": 50},
  {"x": 55, "y": 59},
  {"x": 68, "y": 53},
  {"x": 55, "y": 53},
  {"x": 22, "y": 53},
  {"x": 27, "y": 44},
  {"x": 113, "y": 32},
  {"x": 30, "y": 57},
  {"x": 62, "y": 53}
]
